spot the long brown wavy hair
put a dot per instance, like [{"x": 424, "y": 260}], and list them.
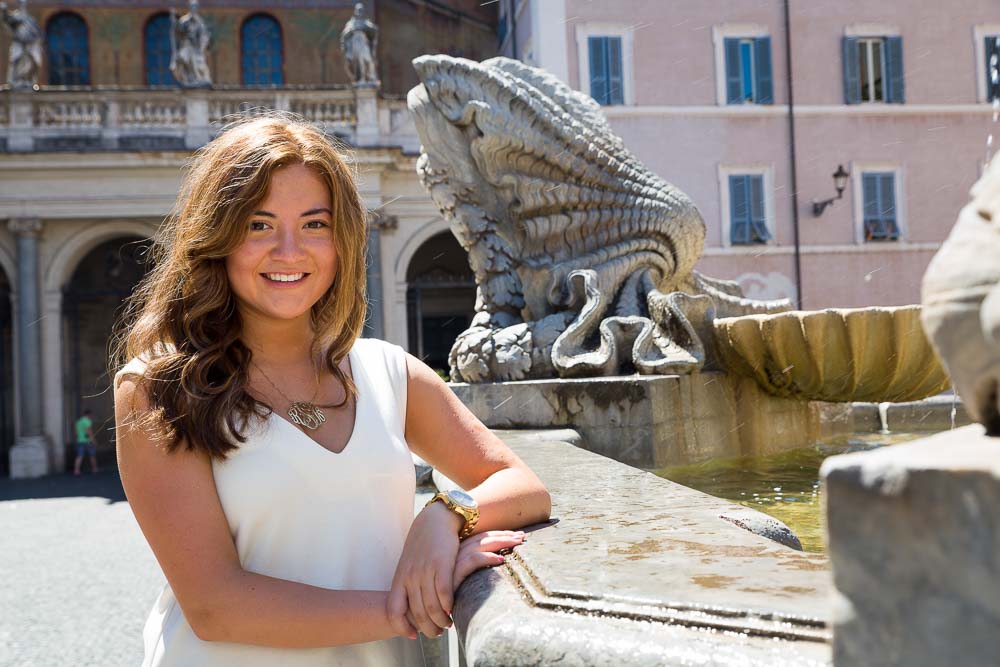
[{"x": 182, "y": 319}]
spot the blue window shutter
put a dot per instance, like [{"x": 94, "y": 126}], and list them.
[
  {"x": 157, "y": 43},
  {"x": 68, "y": 50},
  {"x": 262, "y": 51},
  {"x": 894, "y": 70},
  {"x": 879, "y": 194},
  {"x": 762, "y": 58},
  {"x": 852, "y": 80},
  {"x": 598, "y": 69},
  {"x": 758, "y": 216},
  {"x": 739, "y": 210},
  {"x": 887, "y": 204},
  {"x": 616, "y": 92},
  {"x": 734, "y": 85},
  {"x": 992, "y": 50}
]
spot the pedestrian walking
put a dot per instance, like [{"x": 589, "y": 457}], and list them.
[{"x": 86, "y": 443}]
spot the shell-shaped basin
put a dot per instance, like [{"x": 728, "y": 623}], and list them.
[{"x": 839, "y": 354}]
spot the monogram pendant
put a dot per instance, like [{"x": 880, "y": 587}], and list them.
[{"x": 306, "y": 415}]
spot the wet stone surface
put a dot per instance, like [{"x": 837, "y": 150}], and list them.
[{"x": 634, "y": 569}]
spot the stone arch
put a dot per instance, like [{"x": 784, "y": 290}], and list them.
[
  {"x": 413, "y": 242},
  {"x": 440, "y": 297},
  {"x": 76, "y": 247}
]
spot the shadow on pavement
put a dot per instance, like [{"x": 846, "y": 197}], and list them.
[{"x": 104, "y": 484}]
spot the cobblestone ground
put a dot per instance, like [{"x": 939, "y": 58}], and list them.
[{"x": 79, "y": 577}]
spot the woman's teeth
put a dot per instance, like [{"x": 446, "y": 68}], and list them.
[{"x": 285, "y": 277}]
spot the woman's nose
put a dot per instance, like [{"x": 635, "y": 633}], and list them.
[{"x": 288, "y": 246}]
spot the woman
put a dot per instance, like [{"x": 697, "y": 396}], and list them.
[{"x": 265, "y": 448}]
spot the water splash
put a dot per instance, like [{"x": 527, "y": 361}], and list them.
[
  {"x": 954, "y": 406},
  {"x": 883, "y": 418},
  {"x": 995, "y": 91}
]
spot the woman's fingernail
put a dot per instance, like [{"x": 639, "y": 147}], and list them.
[{"x": 502, "y": 559}]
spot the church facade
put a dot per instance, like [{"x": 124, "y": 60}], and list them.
[{"x": 93, "y": 152}]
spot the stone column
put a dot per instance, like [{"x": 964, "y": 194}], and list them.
[
  {"x": 379, "y": 224},
  {"x": 54, "y": 373},
  {"x": 21, "y": 138},
  {"x": 197, "y": 130},
  {"x": 366, "y": 132},
  {"x": 29, "y": 457}
]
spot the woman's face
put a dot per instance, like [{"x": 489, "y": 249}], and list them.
[{"x": 288, "y": 260}]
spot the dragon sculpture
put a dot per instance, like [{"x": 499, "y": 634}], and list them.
[{"x": 583, "y": 258}]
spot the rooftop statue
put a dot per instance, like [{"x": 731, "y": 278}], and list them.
[
  {"x": 359, "y": 42},
  {"x": 25, "y": 56},
  {"x": 961, "y": 298},
  {"x": 583, "y": 258},
  {"x": 189, "y": 40}
]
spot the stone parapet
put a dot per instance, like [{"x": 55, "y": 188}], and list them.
[
  {"x": 652, "y": 421},
  {"x": 636, "y": 570},
  {"x": 913, "y": 542}
]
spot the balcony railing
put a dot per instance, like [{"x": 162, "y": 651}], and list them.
[{"x": 69, "y": 119}]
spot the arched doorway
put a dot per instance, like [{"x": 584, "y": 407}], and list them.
[
  {"x": 440, "y": 298},
  {"x": 6, "y": 375},
  {"x": 92, "y": 302}
]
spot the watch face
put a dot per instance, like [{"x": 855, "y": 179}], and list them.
[{"x": 462, "y": 498}]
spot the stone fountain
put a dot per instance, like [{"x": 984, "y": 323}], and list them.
[
  {"x": 589, "y": 312},
  {"x": 590, "y": 316}
]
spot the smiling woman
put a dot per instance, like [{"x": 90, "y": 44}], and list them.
[{"x": 293, "y": 541}]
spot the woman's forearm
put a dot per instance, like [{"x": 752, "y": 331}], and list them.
[
  {"x": 511, "y": 498},
  {"x": 257, "y": 609}
]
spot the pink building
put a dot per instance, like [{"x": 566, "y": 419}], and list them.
[{"x": 701, "y": 92}]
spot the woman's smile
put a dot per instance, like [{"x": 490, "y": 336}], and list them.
[{"x": 285, "y": 278}]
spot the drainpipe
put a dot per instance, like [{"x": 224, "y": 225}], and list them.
[
  {"x": 794, "y": 162},
  {"x": 513, "y": 30}
]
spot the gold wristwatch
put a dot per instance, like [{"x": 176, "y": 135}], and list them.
[{"x": 462, "y": 504}]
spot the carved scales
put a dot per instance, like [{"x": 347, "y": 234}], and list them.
[{"x": 583, "y": 258}]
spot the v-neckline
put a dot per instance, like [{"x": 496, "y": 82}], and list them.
[{"x": 355, "y": 374}]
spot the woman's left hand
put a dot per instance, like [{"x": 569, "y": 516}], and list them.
[{"x": 423, "y": 583}]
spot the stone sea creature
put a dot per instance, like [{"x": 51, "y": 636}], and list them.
[
  {"x": 583, "y": 258},
  {"x": 961, "y": 301}
]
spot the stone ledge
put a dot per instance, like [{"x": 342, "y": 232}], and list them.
[
  {"x": 637, "y": 570},
  {"x": 654, "y": 421},
  {"x": 914, "y": 543}
]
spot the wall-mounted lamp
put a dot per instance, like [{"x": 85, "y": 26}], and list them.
[{"x": 840, "y": 182}]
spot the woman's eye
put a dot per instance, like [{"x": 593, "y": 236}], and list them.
[
  {"x": 258, "y": 226},
  {"x": 316, "y": 224}
]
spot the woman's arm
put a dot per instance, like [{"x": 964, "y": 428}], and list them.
[
  {"x": 442, "y": 431},
  {"x": 176, "y": 504}
]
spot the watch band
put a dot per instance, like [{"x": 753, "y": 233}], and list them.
[{"x": 469, "y": 515}]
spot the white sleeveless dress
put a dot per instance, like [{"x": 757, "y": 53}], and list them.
[{"x": 298, "y": 511}]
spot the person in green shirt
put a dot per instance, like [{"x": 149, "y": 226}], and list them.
[{"x": 86, "y": 443}]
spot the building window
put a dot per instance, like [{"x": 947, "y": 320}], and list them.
[
  {"x": 878, "y": 190},
  {"x": 68, "y": 50},
  {"x": 992, "y": 51},
  {"x": 605, "y": 57},
  {"x": 747, "y": 217},
  {"x": 261, "y": 51},
  {"x": 748, "y": 70},
  {"x": 156, "y": 40},
  {"x": 873, "y": 70}
]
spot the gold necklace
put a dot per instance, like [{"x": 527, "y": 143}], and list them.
[{"x": 302, "y": 413}]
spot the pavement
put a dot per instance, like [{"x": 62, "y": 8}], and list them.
[{"x": 79, "y": 578}]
